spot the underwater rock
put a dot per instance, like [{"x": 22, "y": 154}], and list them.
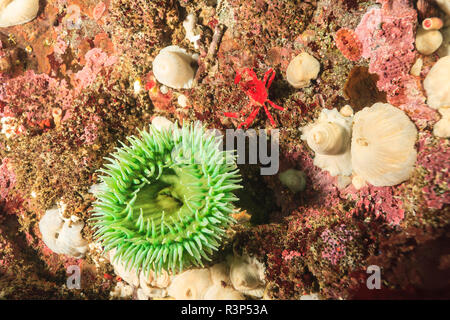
[{"x": 361, "y": 88}]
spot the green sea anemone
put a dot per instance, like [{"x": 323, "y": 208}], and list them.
[{"x": 165, "y": 200}]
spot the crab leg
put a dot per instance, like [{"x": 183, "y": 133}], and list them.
[
  {"x": 275, "y": 106},
  {"x": 251, "y": 117},
  {"x": 269, "y": 115},
  {"x": 231, "y": 114},
  {"x": 266, "y": 76}
]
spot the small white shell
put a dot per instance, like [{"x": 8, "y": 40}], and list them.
[
  {"x": 173, "y": 68},
  {"x": 15, "y": 12},
  {"x": 346, "y": 111},
  {"x": 437, "y": 84},
  {"x": 382, "y": 148},
  {"x": 358, "y": 182},
  {"x": 190, "y": 285},
  {"x": 329, "y": 138},
  {"x": 416, "y": 69},
  {"x": 302, "y": 69}
]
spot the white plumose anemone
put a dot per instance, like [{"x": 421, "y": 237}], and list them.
[
  {"x": 437, "y": 84},
  {"x": 247, "y": 275},
  {"x": 382, "y": 147},
  {"x": 15, "y": 12},
  {"x": 329, "y": 137},
  {"x": 173, "y": 67},
  {"x": 62, "y": 236},
  {"x": 302, "y": 69}
]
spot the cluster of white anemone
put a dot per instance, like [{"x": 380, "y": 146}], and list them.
[
  {"x": 376, "y": 144},
  {"x": 233, "y": 279}
]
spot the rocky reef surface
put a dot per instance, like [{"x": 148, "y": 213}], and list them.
[{"x": 80, "y": 77}]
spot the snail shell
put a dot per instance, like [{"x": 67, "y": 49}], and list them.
[
  {"x": 14, "y": 12},
  {"x": 173, "y": 68}
]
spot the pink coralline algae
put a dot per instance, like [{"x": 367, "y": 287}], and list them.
[
  {"x": 387, "y": 37},
  {"x": 90, "y": 134},
  {"x": 289, "y": 255},
  {"x": 60, "y": 46},
  {"x": 8, "y": 202},
  {"x": 31, "y": 97},
  {"x": 379, "y": 202},
  {"x": 435, "y": 159},
  {"x": 96, "y": 61},
  {"x": 348, "y": 43},
  {"x": 335, "y": 243}
]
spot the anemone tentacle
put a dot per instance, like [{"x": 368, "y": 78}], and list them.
[{"x": 166, "y": 198}]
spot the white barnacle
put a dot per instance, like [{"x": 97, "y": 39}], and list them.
[
  {"x": 174, "y": 67},
  {"x": 382, "y": 149},
  {"x": 15, "y": 12}
]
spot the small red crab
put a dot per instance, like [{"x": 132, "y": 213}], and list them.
[{"x": 258, "y": 92}]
